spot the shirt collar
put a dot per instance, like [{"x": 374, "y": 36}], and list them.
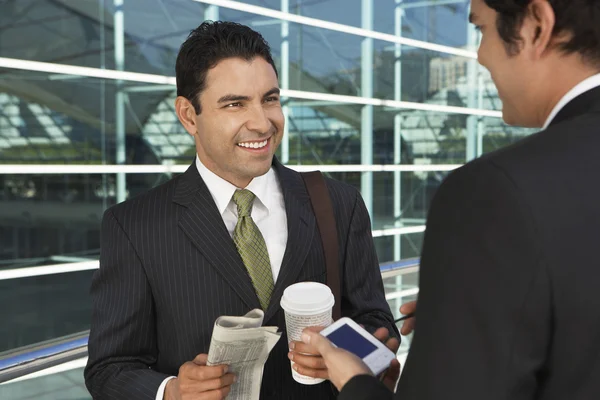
[
  {"x": 222, "y": 191},
  {"x": 584, "y": 86},
  {"x": 263, "y": 188}
]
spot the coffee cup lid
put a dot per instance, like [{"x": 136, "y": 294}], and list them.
[{"x": 307, "y": 298}]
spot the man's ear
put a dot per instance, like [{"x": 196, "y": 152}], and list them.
[
  {"x": 538, "y": 27},
  {"x": 187, "y": 114}
]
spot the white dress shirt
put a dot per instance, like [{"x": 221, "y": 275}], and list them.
[
  {"x": 268, "y": 213},
  {"x": 268, "y": 210},
  {"x": 584, "y": 86}
]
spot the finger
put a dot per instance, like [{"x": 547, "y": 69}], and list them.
[
  {"x": 382, "y": 334},
  {"x": 318, "y": 341},
  {"x": 408, "y": 308},
  {"x": 408, "y": 326},
  {"x": 218, "y": 394},
  {"x": 299, "y": 347},
  {"x": 313, "y": 362},
  {"x": 391, "y": 375},
  {"x": 218, "y": 383},
  {"x": 204, "y": 373},
  {"x": 393, "y": 344},
  {"x": 313, "y": 373}
]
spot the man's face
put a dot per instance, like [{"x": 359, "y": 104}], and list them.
[
  {"x": 241, "y": 122},
  {"x": 513, "y": 74}
]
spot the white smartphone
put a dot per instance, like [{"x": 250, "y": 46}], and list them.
[{"x": 347, "y": 334}]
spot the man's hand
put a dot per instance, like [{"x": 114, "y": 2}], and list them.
[
  {"x": 307, "y": 360},
  {"x": 390, "y": 376},
  {"x": 311, "y": 363},
  {"x": 409, "y": 325},
  {"x": 341, "y": 365},
  {"x": 200, "y": 382}
]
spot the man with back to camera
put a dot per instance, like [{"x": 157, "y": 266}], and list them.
[
  {"x": 509, "y": 306},
  {"x": 173, "y": 260}
]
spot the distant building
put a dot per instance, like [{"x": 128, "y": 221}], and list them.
[{"x": 446, "y": 73}]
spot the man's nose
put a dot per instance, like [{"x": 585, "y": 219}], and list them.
[{"x": 258, "y": 120}]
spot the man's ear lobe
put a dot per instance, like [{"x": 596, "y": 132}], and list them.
[{"x": 186, "y": 114}]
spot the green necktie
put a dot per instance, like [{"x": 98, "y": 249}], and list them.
[{"x": 252, "y": 248}]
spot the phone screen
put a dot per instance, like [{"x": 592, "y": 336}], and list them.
[{"x": 347, "y": 338}]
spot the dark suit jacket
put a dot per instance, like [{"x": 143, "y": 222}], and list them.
[
  {"x": 169, "y": 268},
  {"x": 509, "y": 306}
]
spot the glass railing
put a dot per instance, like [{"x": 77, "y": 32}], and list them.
[{"x": 54, "y": 369}]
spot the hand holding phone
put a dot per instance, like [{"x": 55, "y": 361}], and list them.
[{"x": 348, "y": 335}]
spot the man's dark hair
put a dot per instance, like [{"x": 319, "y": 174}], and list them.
[
  {"x": 209, "y": 44},
  {"x": 580, "y": 18}
]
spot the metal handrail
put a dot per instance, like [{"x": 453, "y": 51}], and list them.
[
  {"x": 40, "y": 356},
  {"x": 402, "y": 267}
]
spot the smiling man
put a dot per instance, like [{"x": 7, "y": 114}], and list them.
[
  {"x": 178, "y": 257},
  {"x": 508, "y": 306}
]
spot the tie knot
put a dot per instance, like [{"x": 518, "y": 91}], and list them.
[{"x": 243, "y": 199}]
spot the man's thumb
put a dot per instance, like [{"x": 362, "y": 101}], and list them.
[
  {"x": 316, "y": 340},
  {"x": 200, "y": 359}
]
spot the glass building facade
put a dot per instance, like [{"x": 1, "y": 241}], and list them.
[{"x": 385, "y": 95}]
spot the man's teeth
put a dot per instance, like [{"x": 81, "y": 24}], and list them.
[{"x": 254, "y": 145}]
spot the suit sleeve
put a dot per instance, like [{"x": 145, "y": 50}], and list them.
[
  {"x": 483, "y": 312},
  {"x": 363, "y": 294},
  {"x": 122, "y": 344},
  {"x": 365, "y": 387}
]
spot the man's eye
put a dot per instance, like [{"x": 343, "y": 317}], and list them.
[
  {"x": 271, "y": 99},
  {"x": 234, "y": 105}
]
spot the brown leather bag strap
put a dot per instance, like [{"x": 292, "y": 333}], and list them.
[{"x": 321, "y": 204}]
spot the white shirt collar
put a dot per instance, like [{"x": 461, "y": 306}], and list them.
[
  {"x": 584, "y": 86},
  {"x": 222, "y": 191}
]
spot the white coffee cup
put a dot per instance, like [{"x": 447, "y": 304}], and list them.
[{"x": 306, "y": 304}]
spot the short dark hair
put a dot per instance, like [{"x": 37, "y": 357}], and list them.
[
  {"x": 580, "y": 18},
  {"x": 209, "y": 44}
]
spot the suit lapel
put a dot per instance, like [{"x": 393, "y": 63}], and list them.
[
  {"x": 203, "y": 225},
  {"x": 301, "y": 227}
]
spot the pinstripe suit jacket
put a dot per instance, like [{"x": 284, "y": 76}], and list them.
[{"x": 169, "y": 268}]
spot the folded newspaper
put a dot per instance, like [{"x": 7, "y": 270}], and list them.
[{"x": 244, "y": 345}]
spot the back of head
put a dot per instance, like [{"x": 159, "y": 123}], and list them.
[
  {"x": 526, "y": 42},
  {"x": 209, "y": 44},
  {"x": 577, "y": 20}
]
